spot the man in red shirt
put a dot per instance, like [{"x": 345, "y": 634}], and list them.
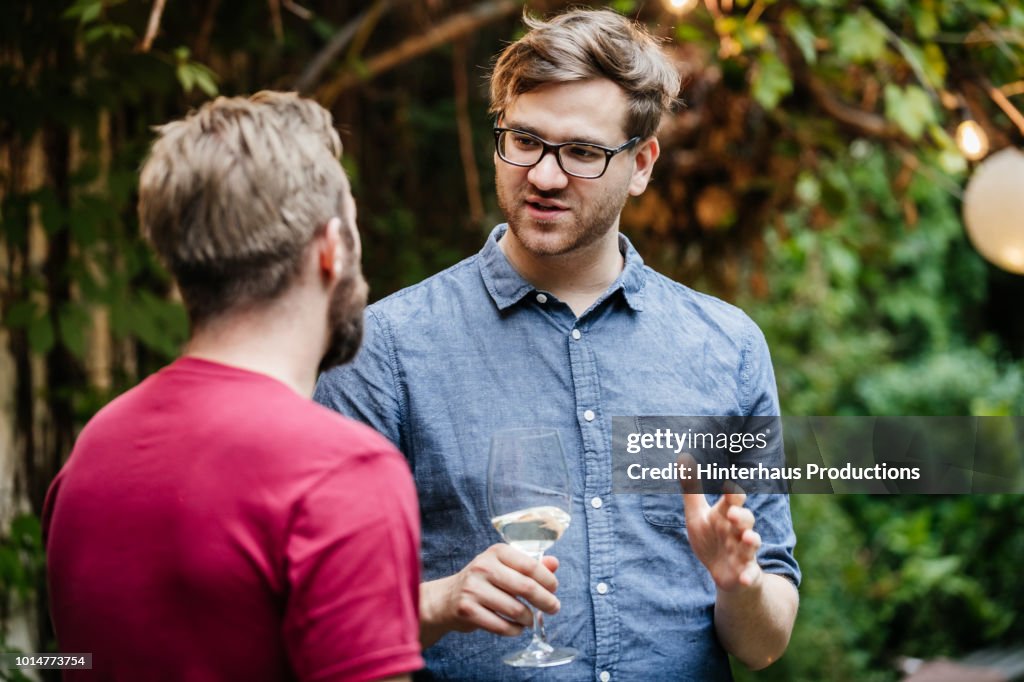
[{"x": 213, "y": 523}]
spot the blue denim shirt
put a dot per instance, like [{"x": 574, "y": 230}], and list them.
[{"x": 476, "y": 348}]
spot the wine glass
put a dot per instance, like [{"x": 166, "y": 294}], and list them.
[{"x": 528, "y": 496}]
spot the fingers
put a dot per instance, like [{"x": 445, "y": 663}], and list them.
[
  {"x": 474, "y": 615},
  {"x": 695, "y": 504},
  {"x": 484, "y": 594},
  {"x": 741, "y": 518}
]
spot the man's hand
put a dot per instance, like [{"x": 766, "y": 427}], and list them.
[
  {"x": 754, "y": 611},
  {"x": 483, "y": 595},
  {"x": 722, "y": 536}
]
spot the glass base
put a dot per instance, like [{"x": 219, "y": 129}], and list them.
[{"x": 540, "y": 658}]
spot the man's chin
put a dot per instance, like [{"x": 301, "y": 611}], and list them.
[{"x": 542, "y": 238}]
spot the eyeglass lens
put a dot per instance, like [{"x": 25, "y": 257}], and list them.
[{"x": 522, "y": 149}]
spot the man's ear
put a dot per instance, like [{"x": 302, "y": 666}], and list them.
[
  {"x": 330, "y": 252},
  {"x": 647, "y": 153}
]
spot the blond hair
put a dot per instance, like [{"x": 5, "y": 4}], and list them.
[
  {"x": 585, "y": 44},
  {"x": 231, "y": 196}
]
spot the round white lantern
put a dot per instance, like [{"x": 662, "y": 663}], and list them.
[{"x": 994, "y": 209}]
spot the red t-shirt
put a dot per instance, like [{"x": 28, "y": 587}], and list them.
[{"x": 211, "y": 524}]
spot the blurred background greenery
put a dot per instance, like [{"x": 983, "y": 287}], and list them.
[{"x": 810, "y": 176}]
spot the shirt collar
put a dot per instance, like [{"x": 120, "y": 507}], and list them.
[{"x": 507, "y": 287}]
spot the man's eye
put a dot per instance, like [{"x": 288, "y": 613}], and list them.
[
  {"x": 584, "y": 153},
  {"x": 524, "y": 141}
]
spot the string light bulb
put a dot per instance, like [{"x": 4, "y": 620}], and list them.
[
  {"x": 972, "y": 140},
  {"x": 681, "y": 6}
]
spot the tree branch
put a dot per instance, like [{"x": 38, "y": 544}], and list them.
[
  {"x": 275, "y": 19},
  {"x": 451, "y": 29},
  {"x": 202, "y": 45},
  {"x": 337, "y": 43},
  {"x": 297, "y": 10},
  {"x": 153, "y": 26},
  {"x": 1004, "y": 103},
  {"x": 465, "y": 128}
]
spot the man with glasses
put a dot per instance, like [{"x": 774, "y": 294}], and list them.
[{"x": 557, "y": 322}]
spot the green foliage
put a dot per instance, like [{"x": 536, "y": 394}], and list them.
[
  {"x": 910, "y": 108},
  {"x": 192, "y": 74},
  {"x": 771, "y": 81},
  {"x": 21, "y": 558},
  {"x": 860, "y": 37},
  {"x": 895, "y": 576}
]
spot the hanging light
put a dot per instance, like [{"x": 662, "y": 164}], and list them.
[
  {"x": 681, "y": 6},
  {"x": 972, "y": 140},
  {"x": 994, "y": 209}
]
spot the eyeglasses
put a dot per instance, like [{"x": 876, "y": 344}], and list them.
[{"x": 578, "y": 159}]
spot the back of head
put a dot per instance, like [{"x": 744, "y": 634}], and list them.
[
  {"x": 232, "y": 195},
  {"x": 586, "y": 44}
]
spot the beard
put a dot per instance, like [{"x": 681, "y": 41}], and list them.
[
  {"x": 588, "y": 223},
  {"x": 345, "y": 321}
]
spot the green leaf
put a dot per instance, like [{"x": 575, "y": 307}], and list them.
[
  {"x": 74, "y": 322},
  {"x": 40, "y": 334},
  {"x": 85, "y": 10},
  {"x": 934, "y": 65},
  {"x": 911, "y": 109},
  {"x": 186, "y": 76},
  {"x": 925, "y": 19},
  {"x": 51, "y": 214},
  {"x": 688, "y": 33},
  {"x": 802, "y": 34},
  {"x": 771, "y": 81},
  {"x": 726, "y": 26},
  {"x": 20, "y": 314},
  {"x": 205, "y": 79},
  {"x": 114, "y": 32},
  {"x": 860, "y": 37},
  {"x": 91, "y": 12},
  {"x": 323, "y": 28}
]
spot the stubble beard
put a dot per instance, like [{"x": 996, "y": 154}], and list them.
[
  {"x": 345, "y": 321},
  {"x": 589, "y": 223}
]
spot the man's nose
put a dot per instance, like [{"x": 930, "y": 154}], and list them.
[{"x": 547, "y": 174}]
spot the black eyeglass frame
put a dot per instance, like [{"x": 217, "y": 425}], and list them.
[{"x": 609, "y": 152}]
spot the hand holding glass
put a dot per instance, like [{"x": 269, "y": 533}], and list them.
[{"x": 528, "y": 494}]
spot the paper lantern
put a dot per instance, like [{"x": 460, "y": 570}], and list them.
[{"x": 994, "y": 209}]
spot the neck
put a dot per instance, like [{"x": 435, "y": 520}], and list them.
[
  {"x": 273, "y": 340},
  {"x": 577, "y": 277}
]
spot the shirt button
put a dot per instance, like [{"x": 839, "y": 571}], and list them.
[
  {"x": 604, "y": 676},
  {"x": 589, "y": 415},
  {"x": 541, "y": 298},
  {"x": 576, "y": 334},
  {"x": 596, "y": 503},
  {"x": 602, "y": 588}
]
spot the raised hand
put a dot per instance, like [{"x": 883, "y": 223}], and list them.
[{"x": 722, "y": 535}]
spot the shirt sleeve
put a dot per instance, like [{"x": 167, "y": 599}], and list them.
[
  {"x": 366, "y": 388},
  {"x": 353, "y": 570},
  {"x": 773, "y": 521}
]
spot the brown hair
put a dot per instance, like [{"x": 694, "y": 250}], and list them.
[
  {"x": 232, "y": 195},
  {"x": 584, "y": 44}
]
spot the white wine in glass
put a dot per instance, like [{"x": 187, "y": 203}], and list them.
[{"x": 528, "y": 493}]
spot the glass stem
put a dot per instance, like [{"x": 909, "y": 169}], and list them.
[{"x": 539, "y": 644}]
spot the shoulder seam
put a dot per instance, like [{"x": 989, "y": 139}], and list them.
[{"x": 409, "y": 290}]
